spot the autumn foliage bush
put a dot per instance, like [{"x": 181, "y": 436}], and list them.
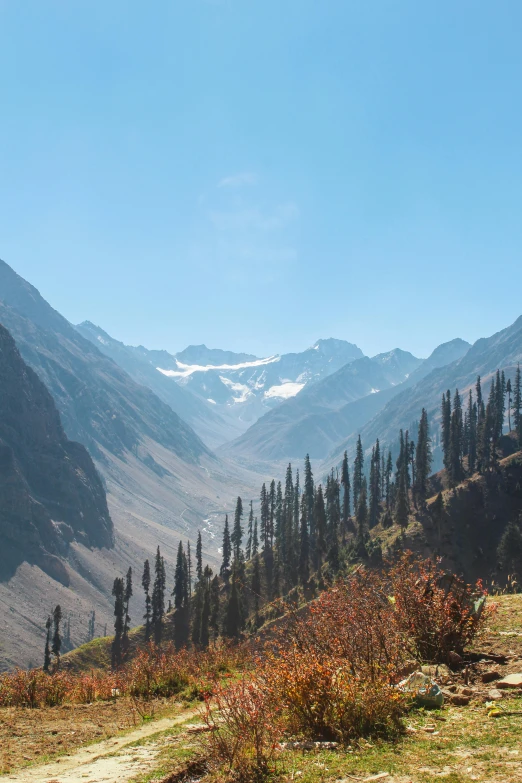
[
  {"x": 152, "y": 673},
  {"x": 245, "y": 729},
  {"x": 331, "y": 672},
  {"x": 436, "y": 613}
]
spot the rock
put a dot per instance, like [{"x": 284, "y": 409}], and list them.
[
  {"x": 494, "y": 695},
  {"x": 510, "y": 681},
  {"x": 490, "y": 676},
  {"x": 454, "y": 658},
  {"x": 467, "y": 691},
  {"x": 459, "y": 700}
]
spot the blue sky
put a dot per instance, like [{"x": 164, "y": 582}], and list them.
[{"x": 255, "y": 174}]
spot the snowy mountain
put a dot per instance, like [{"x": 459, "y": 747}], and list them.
[{"x": 236, "y": 389}]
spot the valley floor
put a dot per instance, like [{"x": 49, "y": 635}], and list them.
[{"x": 456, "y": 744}]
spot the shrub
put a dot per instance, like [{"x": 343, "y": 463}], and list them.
[
  {"x": 437, "y": 613},
  {"x": 245, "y": 728}
]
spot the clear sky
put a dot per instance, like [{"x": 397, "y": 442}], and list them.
[{"x": 256, "y": 174}]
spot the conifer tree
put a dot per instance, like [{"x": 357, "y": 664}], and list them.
[
  {"x": 345, "y": 481},
  {"x": 199, "y": 557},
  {"x": 304, "y": 571},
  {"x": 57, "y": 639},
  {"x": 248, "y": 553},
  {"x": 272, "y": 501},
  {"x": 188, "y": 560},
  {"x": 387, "y": 481},
  {"x": 118, "y": 591},
  {"x": 158, "y": 597},
  {"x": 508, "y": 391},
  {"x": 255, "y": 541},
  {"x": 375, "y": 484},
  {"x": 237, "y": 533},
  {"x": 91, "y": 632},
  {"x": 454, "y": 467},
  {"x": 423, "y": 458},
  {"x": 47, "y": 650},
  {"x": 226, "y": 551},
  {"x": 320, "y": 523},
  {"x": 517, "y": 406},
  {"x": 145, "y": 582},
  {"x": 362, "y": 513},
  {"x": 446, "y": 429},
  {"x": 181, "y": 598},
  {"x": 264, "y": 510},
  {"x": 358, "y": 472},
  {"x": 309, "y": 493},
  {"x": 126, "y": 618},
  {"x": 472, "y": 434}
]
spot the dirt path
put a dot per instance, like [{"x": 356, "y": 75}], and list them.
[{"x": 110, "y": 761}]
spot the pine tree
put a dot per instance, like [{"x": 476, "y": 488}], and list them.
[
  {"x": 446, "y": 429},
  {"x": 264, "y": 507},
  {"x": 226, "y": 551},
  {"x": 423, "y": 458},
  {"x": 509, "y": 390},
  {"x": 304, "y": 553},
  {"x": 237, "y": 533},
  {"x": 181, "y": 598},
  {"x": 387, "y": 481},
  {"x": 362, "y": 513},
  {"x": 375, "y": 484},
  {"x": 358, "y": 472},
  {"x": 126, "y": 618},
  {"x": 272, "y": 501},
  {"x": 454, "y": 467},
  {"x": 188, "y": 560},
  {"x": 320, "y": 523},
  {"x": 345, "y": 481},
  {"x": 517, "y": 406},
  {"x": 47, "y": 650},
  {"x": 158, "y": 597},
  {"x": 248, "y": 553},
  {"x": 118, "y": 591},
  {"x": 145, "y": 582},
  {"x": 91, "y": 632},
  {"x": 199, "y": 557},
  {"x": 57, "y": 639},
  {"x": 309, "y": 493},
  {"x": 255, "y": 541},
  {"x": 472, "y": 434}
]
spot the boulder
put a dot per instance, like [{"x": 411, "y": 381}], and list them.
[{"x": 510, "y": 681}]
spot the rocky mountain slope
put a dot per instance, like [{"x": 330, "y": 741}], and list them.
[
  {"x": 50, "y": 492},
  {"x": 211, "y": 427},
  {"x": 162, "y": 482}
]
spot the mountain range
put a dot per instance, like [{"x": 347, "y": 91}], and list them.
[{"x": 146, "y": 447}]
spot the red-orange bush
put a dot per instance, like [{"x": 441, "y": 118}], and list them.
[
  {"x": 436, "y": 613},
  {"x": 245, "y": 728}
]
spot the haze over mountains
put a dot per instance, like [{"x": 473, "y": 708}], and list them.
[{"x": 175, "y": 439}]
